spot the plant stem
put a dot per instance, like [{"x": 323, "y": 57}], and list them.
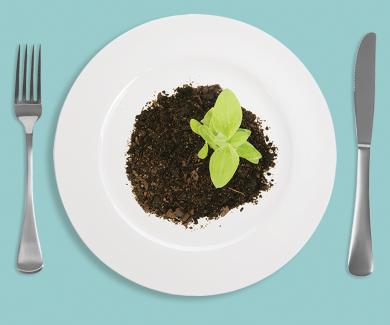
[{"x": 232, "y": 189}]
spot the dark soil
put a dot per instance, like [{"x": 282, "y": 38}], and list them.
[{"x": 167, "y": 177}]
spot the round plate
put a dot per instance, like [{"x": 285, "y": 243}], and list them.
[{"x": 96, "y": 122}]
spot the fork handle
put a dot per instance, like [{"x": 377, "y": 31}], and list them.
[
  {"x": 360, "y": 252},
  {"x": 29, "y": 256}
]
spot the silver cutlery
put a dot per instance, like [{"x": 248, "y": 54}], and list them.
[
  {"x": 360, "y": 260},
  {"x": 28, "y": 109}
]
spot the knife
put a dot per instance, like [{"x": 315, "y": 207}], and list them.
[{"x": 360, "y": 261}]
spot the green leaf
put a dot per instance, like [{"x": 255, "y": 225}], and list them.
[
  {"x": 207, "y": 117},
  {"x": 194, "y": 125},
  {"x": 227, "y": 114},
  {"x": 249, "y": 152},
  {"x": 220, "y": 140},
  {"x": 223, "y": 164},
  {"x": 202, "y": 154},
  {"x": 239, "y": 137},
  {"x": 207, "y": 135}
]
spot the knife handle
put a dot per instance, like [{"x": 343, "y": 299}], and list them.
[{"x": 360, "y": 249}]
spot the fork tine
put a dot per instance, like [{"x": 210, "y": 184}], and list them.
[
  {"x": 39, "y": 76},
  {"x": 32, "y": 76},
  {"x": 17, "y": 77},
  {"x": 24, "y": 75}
]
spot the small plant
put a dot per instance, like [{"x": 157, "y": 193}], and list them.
[{"x": 220, "y": 129}]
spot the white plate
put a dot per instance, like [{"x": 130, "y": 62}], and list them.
[{"x": 96, "y": 121}]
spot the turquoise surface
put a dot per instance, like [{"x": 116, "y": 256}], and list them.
[{"x": 75, "y": 288}]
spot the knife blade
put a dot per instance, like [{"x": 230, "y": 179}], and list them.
[
  {"x": 365, "y": 89},
  {"x": 360, "y": 260}
]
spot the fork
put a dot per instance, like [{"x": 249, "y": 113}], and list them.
[{"x": 28, "y": 109}]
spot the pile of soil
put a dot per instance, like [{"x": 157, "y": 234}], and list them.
[{"x": 169, "y": 180}]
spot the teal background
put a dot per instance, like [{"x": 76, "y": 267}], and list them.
[{"x": 75, "y": 288}]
